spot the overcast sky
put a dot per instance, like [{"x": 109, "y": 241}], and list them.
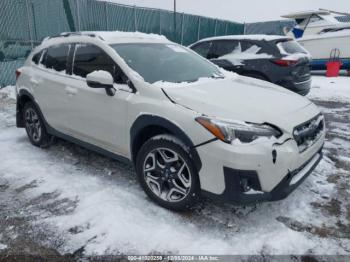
[{"x": 242, "y": 10}]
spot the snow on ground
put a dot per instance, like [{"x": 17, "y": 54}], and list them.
[
  {"x": 333, "y": 88},
  {"x": 96, "y": 205},
  {"x": 8, "y": 92}
]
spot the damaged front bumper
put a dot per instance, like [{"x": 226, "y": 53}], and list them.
[
  {"x": 234, "y": 193},
  {"x": 258, "y": 172}
]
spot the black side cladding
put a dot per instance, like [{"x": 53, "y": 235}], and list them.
[{"x": 145, "y": 121}]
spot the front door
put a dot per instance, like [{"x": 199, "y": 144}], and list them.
[{"x": 95, "y": 117}]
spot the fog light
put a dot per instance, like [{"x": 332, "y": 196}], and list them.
[{"x": 245, "y": 185}]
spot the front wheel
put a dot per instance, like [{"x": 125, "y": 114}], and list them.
[{"x": 167, "y": 173}]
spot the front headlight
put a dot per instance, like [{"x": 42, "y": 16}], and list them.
[{"x": 228, "y": 131}]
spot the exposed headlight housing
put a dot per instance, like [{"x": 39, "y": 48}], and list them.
[{"x": 228, "y": 131}]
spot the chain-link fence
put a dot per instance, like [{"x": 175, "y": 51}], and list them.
[
  {"x": 24, "y": 23},
  {"x": 279, "y": 27}
]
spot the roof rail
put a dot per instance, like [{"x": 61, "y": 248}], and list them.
[{"x": 67, "y": 34}]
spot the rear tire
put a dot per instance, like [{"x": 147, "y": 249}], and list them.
[
  {"x": 167, "y": 174},
  {"x": 35, "y": 126}
]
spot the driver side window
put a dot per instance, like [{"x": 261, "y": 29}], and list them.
[{"x": 89, "y": 58}]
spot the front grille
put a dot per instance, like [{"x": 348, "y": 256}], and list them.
[{"x": 309, "y": 132}]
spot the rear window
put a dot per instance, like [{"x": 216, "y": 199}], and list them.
[
  {"x": 202, "y": 49},
  {"x": 290, "y": 47},
  {"x": 223, "y": 47},
  {"x": 56, "y": 58},
  {"x": 36, "y": 57}
]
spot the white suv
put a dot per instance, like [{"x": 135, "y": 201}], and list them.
[{"x": 189, "y": 128}]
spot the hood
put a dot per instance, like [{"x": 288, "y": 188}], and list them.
[{"x": 244, "y": 99}]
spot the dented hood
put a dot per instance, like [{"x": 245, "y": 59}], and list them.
[{"x": 244, "y": 99}]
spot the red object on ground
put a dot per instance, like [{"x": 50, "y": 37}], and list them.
[{"x": 333, "y": 68}]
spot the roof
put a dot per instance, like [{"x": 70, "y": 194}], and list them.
[
  {"x": 305, "y": 14},
  {"x": 246, "y": 37},
  {"x": 114, "y": 37}
]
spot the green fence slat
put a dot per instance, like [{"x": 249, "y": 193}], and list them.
[
  {"x": 207, "y": 28},
  {"x": 121, "y": 18},
  {"x": 221, "y": 28},
  {"x": 92, "y": 15},
  {"x": 148, "y": 21},
  {"x": 13, "y": 20},
  {"x": 190, "y": 29},
  {"x": 7, "y": 71}
]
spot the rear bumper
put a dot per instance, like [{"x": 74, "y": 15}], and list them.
[
  {"x": 233, "y": 179},
  {"x": 302, "y": 87}
]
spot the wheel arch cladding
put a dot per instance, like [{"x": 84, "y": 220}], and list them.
[
  {"x": 22, "y": 98},
  {"x": 147, "y": 126}
]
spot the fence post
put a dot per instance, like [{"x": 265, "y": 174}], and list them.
[
  {"x": 182, "y": 28},
  {"x": 78, "y": 14},
  {"x": 106, "y": 14},
  {"x": 216, "y": 24},
  {"x": 199, "y": 27},
  {"x": 29, "y": 27},
  {"x": 35, "y": 33},
  {"x": 135, "y": 18},
  {"x": 226, "y": 28},
  {"x": 160, "y": 22}
]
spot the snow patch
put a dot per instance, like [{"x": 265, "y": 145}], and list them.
[
  {"x": 202, "y": 80},
  {"x": 8, "y": 92},
  {"x": 238, "y": 56},
  {"x": 2, "y": 246},
  {"x": 333, "y": 89}
]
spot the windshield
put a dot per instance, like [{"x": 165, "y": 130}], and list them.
[
  {"x": 291, "y": 47},
  {"x": 165, "y": 62}
]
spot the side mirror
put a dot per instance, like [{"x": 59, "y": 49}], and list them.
[{"x": 101, "y": 79}]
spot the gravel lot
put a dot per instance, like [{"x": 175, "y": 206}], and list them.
[{"x": 66, "y": 202}]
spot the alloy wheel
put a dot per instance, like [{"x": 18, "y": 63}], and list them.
[
  {"x": 33, "y": 124},
  {"x": 167, "y": 175}
]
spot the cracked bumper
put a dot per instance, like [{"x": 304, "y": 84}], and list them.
[{"x": 225, "y": 165}]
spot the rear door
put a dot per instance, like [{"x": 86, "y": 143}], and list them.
[
  {"x": 94, "y": 117},
  {"x": 226, "y": 54},
  {"x": 48, "y": 80}
]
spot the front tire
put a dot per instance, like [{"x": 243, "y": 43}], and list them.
[
  {"x": 167, "y": 173},
  {"x": 35, "y": 126}
]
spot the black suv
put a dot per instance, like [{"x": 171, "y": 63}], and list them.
[{"x": 277, "y": 59}]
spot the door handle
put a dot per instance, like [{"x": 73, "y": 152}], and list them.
[{"x": 71, "y": 90}]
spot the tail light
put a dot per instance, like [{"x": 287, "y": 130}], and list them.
[
  {"x": 18, "y": 73},
  {"x": 285, "y": 62}
]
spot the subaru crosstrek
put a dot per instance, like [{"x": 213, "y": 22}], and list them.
[{"x": 190, "y": 128}]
